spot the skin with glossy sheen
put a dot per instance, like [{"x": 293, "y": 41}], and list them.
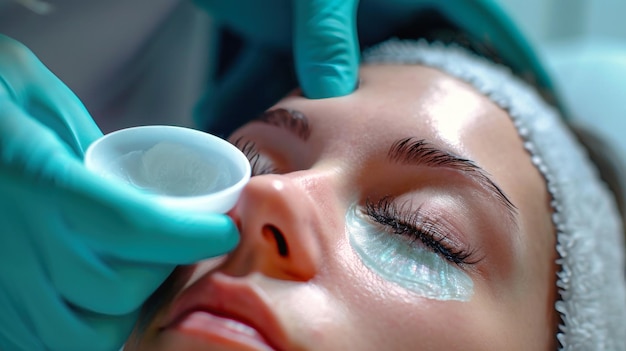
[
  {"x": 415, "y": 267},
  {"x": 296, "y": 283}
]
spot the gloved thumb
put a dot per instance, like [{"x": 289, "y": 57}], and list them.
[
  {"x": 31, "y": 86},
  {"x": 326, "y": 47},
  {"x": 126, "y": 224}
]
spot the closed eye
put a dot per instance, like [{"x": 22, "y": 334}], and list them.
[
  {"x": 417, "y": 227},
  {"x": 259, "y": 163}
]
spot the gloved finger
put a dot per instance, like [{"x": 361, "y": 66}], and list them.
[
  {"x": 26, "y": 146},
  {"x": 82, "y": 275},
  {"x": 119, "y": 221},
  {"x": 75, "y": 332},
  {"x": 112, "y": 218},
  {"x": 17, "y": 268},
  {"x": 106, "y": 285},
  {"x": 33, "y": 87},
  {"x": 113, "y": 331},
  {"x": 15, "y": 334},
  {"x": 126, "y": 224},
  {"x": 326, "y": 47},
  {"x": 134, "y": 256},
  {"x": 55, "y": 105},
  {"x": 42, "y": 306}
]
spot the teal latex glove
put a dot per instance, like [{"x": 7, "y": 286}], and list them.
[
  {"x": 78, "y": 254},
  {"x": 325, "y": 46},
  {"x": 318, "y": 40}
]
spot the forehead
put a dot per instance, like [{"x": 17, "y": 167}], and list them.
[{"x": 398, "y": 101}]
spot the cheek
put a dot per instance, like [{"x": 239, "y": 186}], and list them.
[
  {"x": 400, "y": 260},
  {"x": 374, "y": 314},
  {"x": 379, "y": 315}
]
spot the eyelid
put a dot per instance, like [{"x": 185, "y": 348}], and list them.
[
  {"x": 260, "y": 163},
  {"x": 286, "y": 151},
  {"x": 422, "y": 226},
  {"x": 399, "y": 260}
]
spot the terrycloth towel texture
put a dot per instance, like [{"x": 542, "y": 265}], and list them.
[{"x": 590, "y": 239}]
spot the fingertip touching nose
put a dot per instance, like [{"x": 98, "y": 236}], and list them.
[{"x": 279, "y": 228}]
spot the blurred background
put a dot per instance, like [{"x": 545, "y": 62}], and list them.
[{"x": 583, "y": 43}]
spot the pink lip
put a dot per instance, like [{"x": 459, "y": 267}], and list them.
[{"x": 227, "y": 310}]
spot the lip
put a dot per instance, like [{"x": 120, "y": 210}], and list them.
[{"x": 220, "y": 307}]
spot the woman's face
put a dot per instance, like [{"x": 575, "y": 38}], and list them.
[{"x": 406, "y": 216}]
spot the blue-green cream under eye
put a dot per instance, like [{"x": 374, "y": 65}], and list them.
[{"x": 400, "y": 260}]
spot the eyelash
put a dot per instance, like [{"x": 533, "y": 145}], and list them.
[
  {"x": 251, "y": 151},
  {"x": 413, "y": 225},
  {"x": 385, "y": 212}
]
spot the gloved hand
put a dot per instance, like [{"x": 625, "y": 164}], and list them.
[
  {"x": 323, "y": 33},
  {"x": 78, "y": 254},
  {"x": 261, "y": 42}
]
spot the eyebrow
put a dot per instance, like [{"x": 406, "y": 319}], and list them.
[
  {"x": 292, "y": 120},
  {"x": 419, "y": 152}
]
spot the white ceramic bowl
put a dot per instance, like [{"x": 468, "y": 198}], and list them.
[{"x": 182, "y": 168}]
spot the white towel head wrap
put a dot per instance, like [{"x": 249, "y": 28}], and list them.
[{"x": 591, "y": 280}]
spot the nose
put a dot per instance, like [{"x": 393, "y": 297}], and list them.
[{"x": 279, "y": 227}]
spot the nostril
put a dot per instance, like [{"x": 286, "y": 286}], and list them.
[{"x": 279, "y": 238}]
